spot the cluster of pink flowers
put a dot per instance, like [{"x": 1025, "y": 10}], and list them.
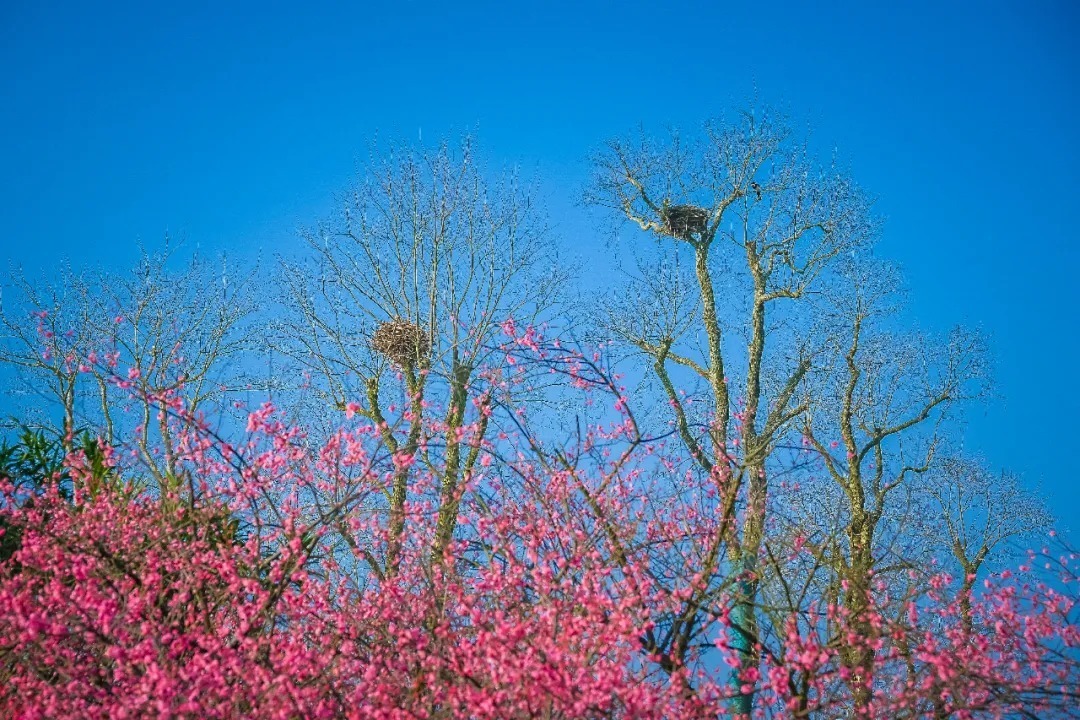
[
  {"x": 121, "y": 607},
  {"x": 236, "y": 596}
]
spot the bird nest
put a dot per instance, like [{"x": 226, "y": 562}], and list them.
[
  {"x": 401, "y": 341},
  {"x": 682, "y": 221}
]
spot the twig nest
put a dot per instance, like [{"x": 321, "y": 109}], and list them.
[
  {"x": 401, "y": 341},
  {"x": 682, "y": 221}
]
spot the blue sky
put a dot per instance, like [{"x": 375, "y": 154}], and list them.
[{"x": 231, "y": 124}]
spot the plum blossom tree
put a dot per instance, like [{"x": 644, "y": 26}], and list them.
[{"x": 120, "y": 603}]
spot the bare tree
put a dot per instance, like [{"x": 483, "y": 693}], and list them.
[
  {"x": 981, "y": 511},
  {"x": 745, "y": 210},
  {"x": 103, "y": 348},
  {"x": 403, "y": 300},
  {"x": 876, "y": 411}
]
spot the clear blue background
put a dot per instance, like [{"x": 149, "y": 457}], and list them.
[{"x": 232, "y": 124}]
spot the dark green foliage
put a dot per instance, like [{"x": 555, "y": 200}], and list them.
[
  {"x": 216, "y": 525},
  {"x": 34, "y": 461},
  {"x": 10, "y": 540},
  {"x": 30, "y": 464}
]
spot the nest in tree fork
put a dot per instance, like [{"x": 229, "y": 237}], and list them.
[
  {"x": 682, "y": 221},
  {"x": 401, "y": 341}
]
